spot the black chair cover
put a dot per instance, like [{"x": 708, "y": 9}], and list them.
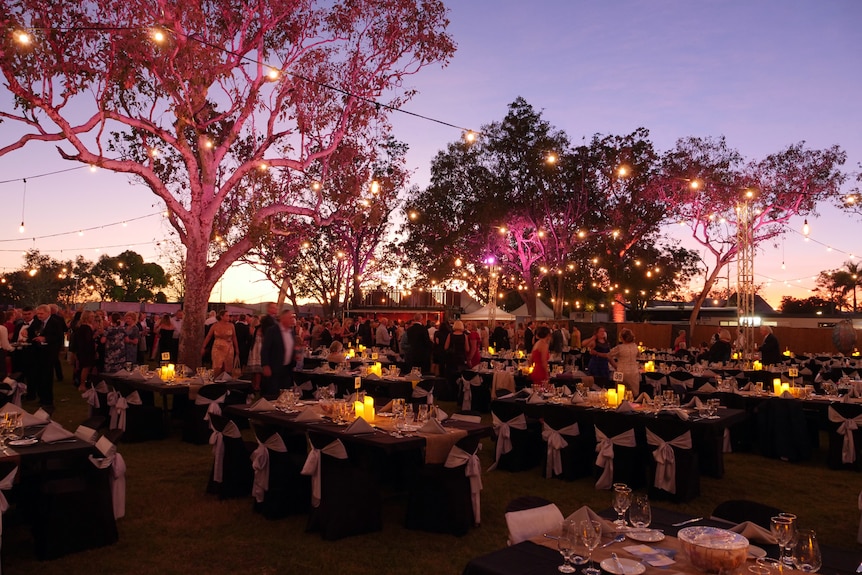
[
  {"x": 687, "y": 465},
  {"x": 740, "y": 510},
  {"x": 527, "y": 444},
  {"x": 836, "y": 440},
  {"x": 782, "y": 430},
  {"x": 580, "y": 453},
  {"x": 196, "y": 429},
  {"x": 629, "y": 465},
  {"x": 289, "y": 492},
  {"x": 237, "y": 472}
]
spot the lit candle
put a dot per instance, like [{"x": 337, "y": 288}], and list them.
[
  {"x": 776, "y": 385},
  {"x": 368, "y": 409},
  {"x": 649, "y": 366},
  {"x": 491, "y": 350},
  {"x": 621, "y": 392},
  {"x": 358, "y": 409},
  {"x": 757, "y": 365},
  {"x": 785, "y": 387},
  {"x": 612, "y": 398}
]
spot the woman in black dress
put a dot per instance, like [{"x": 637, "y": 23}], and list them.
[{"x": 85, "y": 349}]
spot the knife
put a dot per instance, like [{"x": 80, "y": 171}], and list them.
[{"x": 687, "y": 521}]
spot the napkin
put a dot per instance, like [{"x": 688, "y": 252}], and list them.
[
  {"x": 750, "y": 386},
  {"x": 223, "y": 377},
  {"x": 585, "y": 513},
  {"x": 643, "y": 397},
  {"x": 532, "y": 522},
  {"x": 386, "y": 408},
  {"x": 577, "y": 398},
  {"x": 137, "y": 376},
  {"x": 442, "y": 415},
  {"x": 535, "y": 398},
  {"x": 154, "y": 378},
  {"x": 87, "y": 434},
  {"x": 55, "y": 432},
  {"x": 308, "y": 415},
  {"x": 372, "y": 376},
  {"x": 625, "y": 407},
  {"x": 358, "y": 427},
  {"x": 786, "y": 395},
  {"x": 122, "y": 372},
  {"x": 754, "y": 532},
  {"x": 262, "y": 404},
  {"x": 566, "y": 391},
  {"x": 432, "y": 426},
  {"x": 707, "y": 388},
  {"x": 681, "y": 414},
  {"x": 696, "y": 402}
]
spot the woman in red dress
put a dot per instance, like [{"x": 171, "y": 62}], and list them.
[{"x": 539, "y": 356}]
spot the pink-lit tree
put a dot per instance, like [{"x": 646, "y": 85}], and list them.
[
  {"x": 704, "y": 182},
  {"x": 196, "y": 99}
]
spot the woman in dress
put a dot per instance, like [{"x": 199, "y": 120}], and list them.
[
  {"x": 680, "y": 342},
  {"x": 254, "y": 364},
  {"x": 114, "y": 339},
  {"x": 625, "y": 359},
  {"x": 225, "y": 345},
  {"x": 599, "y": 348},
  {"x": 164, "y": 337},
  {"x": 474, "y": 338},
  {"x": 85, "y": 349},
  {"x": 539, "y": 356},
  {"x": 438, "y": 354},
  {"x": 456, "y": 348}
]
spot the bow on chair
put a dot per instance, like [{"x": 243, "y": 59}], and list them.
[
  {"x": 556, "y": 442},
  {"x": 466, "y": 386},
  {"x": 472, "y": 469},
  {"x": 16, "y": 390},
  {"x": 312, "y": 465},
  {"x": 687, "y": 382},
  {"x": 419, "y": 392},
  {"x": 213, "y": 405},
  {"x": 502, "y": 380},
  {"x": 605, "y": 450},
  {"x": 119, "y": 405},
  {"x": 260, "y": 464},
  {"x": 117, "y": 479},
  {"x": 504, "y": 435},
  {"x": 217, "y": 441},
  {"x": 6, "y": 484},
  {"x": 846, "y": 427},
  {"x": 303, "y": 388},
  {"x": 665, "y": 469}
]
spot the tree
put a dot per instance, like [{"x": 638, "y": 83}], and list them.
[
  {"x": 42, "y": 279},
  {"x": 840, "y": 284},
  {"x": 809, "y": 305},
  {"x": 127, "y": 277},
  {"x": 203, "y": 101},
  {"x": 703, "y": 182}
]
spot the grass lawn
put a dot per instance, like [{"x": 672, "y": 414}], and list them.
[{"x": 172, "y": 526}]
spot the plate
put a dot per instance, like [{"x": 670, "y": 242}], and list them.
[
  {"x": 629, "y": 566},
  {"x": 23, "y": 442},
  {"x": 646, "y": 535},
  {"x": 755, "y": 551}
]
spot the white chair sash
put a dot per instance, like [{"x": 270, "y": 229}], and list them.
[
  {"x": 91, "y": 397},
  {"x": 684, "y": 382},
  {"x": 260, "y": 464},
  {"x": 217, "y": 441},
  {"x": 556, "y": 442},
  {"x": 116, "y": 479},
  {"x": 312, "y": 466},
  {"x": 466, "y": 387},
  {"x": 119, "y": 405},
  {"x": 5, "y": 485},
  {"x": 504, "y": 435},
  {"x": 605, "y": 450},
  {"x": 18, "y": 389},
  {"x": 420, "y": 392},
  {"x": 665, "y": 469},
  {"x": 846, "y": 427},
  {"x": 213, "y": 405},
  {"x": 472, "y": 469}
]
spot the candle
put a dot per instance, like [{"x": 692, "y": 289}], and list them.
[
  {"x": 757, "y": 365},
  {"x": 649, "y": 366},
  {"x": 776, "y": 386},
  {"x": 612, "y": 398},
  {"x": 368, "y": 409},
  {"x": 358, "y": 409},
  {"x": 785, "y": 387},
  {"x": 491, "y": 350},
  {"x": 621, "y": 392}
]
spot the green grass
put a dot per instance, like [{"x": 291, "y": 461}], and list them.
[{"x": 172, "y": 526}]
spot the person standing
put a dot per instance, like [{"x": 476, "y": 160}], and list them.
[
  {"x": 133, "y": 336},
  {"x": 383, "y": 339},
  {"x": 770, "y": 351},
  {"x": 540, "y": 357},
  {"x": 85, "y": 349},
  {"x": 177, "y": 320},
  {"x": 276, "y": 355},
  {"x": 457, "y": 347},
  {"x": 625, "y": 360},
  {"x": 224, "y": 344},
  {"x": 528, "y": 337},
  {"x": 243, "y": 338},
  {"x": 418, "y": 345},
  {"x": 48, "y": 335},
  {"x": 599, "y": 349}
]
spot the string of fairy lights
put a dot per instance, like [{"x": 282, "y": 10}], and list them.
[{"x": 160, "y": 34}]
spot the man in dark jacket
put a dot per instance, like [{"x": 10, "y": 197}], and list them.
[
  {"x": 418, "y": 345},
  {"x": 276, "y": 355}
]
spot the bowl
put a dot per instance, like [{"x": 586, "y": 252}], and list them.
[{"x": 713, "y": 550}]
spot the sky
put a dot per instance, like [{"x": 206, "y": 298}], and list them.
[{"x": 763, "y": 74}]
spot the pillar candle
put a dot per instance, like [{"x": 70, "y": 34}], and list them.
[
  {"x": 621, "y": 392},
  {"x": 776, "y": 386},
  {"x": 358, "y": 409},
  {"x": 368, "y": 409},
  {"x": 612, "y": 398}
]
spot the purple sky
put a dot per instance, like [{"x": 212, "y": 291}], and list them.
[{"x": 764, "y": 74}]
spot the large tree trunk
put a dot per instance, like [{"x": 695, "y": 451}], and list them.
[
  {"x": 701, "y": 297},
  {"x": 198, "y": 289},
  {"x": 556, "y": 285}
]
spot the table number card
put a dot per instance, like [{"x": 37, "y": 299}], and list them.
[{"x": 618, "y": 376}]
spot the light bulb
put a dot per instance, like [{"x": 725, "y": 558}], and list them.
[
  {"x": 21, "y": 227},
  {"x": 806, "y": 229}
]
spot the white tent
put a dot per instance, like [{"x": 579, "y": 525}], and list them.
[
  {"x": 542, "y": 311},
  {"x": 484, "y": 314}
]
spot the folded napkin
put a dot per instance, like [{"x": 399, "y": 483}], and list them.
[
  {"x": 681, "y": 414},
  {"x": 786, "y": 395},
  {"x": 262, "y": 404},
  {"x": 707, "y": 388},
  {"x": 754, "y": 532},
  {"x": 42, "y": 415},
  {"x": 750, "y": 386},
  {"x": 625, "y": 407},
  {"x": 585, "y": 513},
  {"x": 386, "y": 408},
  {"x": 532, "y": 522},
  {"x": 372, "y": 376},
  {"x": 137, "y": 376},
  {"x": 154, "y": 378},
  {"x": 643, "y": 398},
  {"x": 223, "y": 377},
  {"x": 535, "y": 398},
  {"x": 87, "y": 434},
  {"x": 696, "y": 402},
  {"x": 566, "y": 391},
  {"x": 308, "y": 415},
  {"x": 359, "y": 426},
  {"x": 432, "y": 426},
  {"x": 577, "y": 398},
  {"x": 55, "y": 432},
  {"x": 442, "y": 415}
]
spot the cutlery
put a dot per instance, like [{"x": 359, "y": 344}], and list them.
[
  {"x": 687, "y": 521},
  {"x": 70, "y": 440},
  {"x": 554, "y": 537},
  {"x": 618, "y": 539},
  {"x": 619, "y": 566}
]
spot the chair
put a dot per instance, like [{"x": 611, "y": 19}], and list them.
[
  {"x": 107, "y": 457},
  {"x": 530, "y": 516},
  {"x": 674, "y": 469},
  {"x": 519, "y": 439},
  {"x": 475, "y": 392},
  {"x": 740, "y": 510},
  {"x": 681, "y": 382},
  {"x": 232, "y": 474},
  {"x": 845, "y": 436},
  {"x": 445, "y": 498},
  {"x": 782, "y": 430},
  {"x": 8, "y": 472},
  {"x": 654, "y": 381},
  {"x": 279, "y": 490},
  {"x": 568, "y": 453},
  {"x": 139, "y": 421},
  {"x": 617, "y": 459},
  {"x": 97, "y": 397},
  {"x": 423, "y": 393},
  {"x": 210, "y": 398},
  {"x": 345, "y": 499}
]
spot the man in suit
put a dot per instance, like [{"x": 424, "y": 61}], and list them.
[
  {"x": 243, "y": 339},
  {"x": 48, "y": 338},
  {"x": 770, "y": 351},
  {"x": 528, "y": 337},
  {"x": 418, "y": 353},
  {"x": 276, "y": 355}
]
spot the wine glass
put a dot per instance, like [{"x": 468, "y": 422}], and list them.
[
  {"x": 591, "y": 534},
  {"x": 640, "y": 513},
  {"x": 622, "y": 501},
  {"x": 566, "y": 544},
  {"x": 806, "y": 552},
  {"x": 781, "y": 528},
  {"x": 788, "y": 547}
]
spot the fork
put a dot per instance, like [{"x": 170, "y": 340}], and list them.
[{"x": 687, "y": 521}]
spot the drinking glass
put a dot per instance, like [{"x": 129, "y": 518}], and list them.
[
  {"x": 399, "y": 424},
  {"x": 806, "y": 552},
  {"x": 591, "y": 535},
  {"x": 408, "y": 412},
  {"x": 781, "y": 528},
  {"x": 16, "y": 425},
  {"x": 423, "y": 413},
  {"x": 788, "y": 547},
  {"x": 640, "y": 513},
  {"x": 622, "y": 501},
  {"x": 566, "y": 545}
]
